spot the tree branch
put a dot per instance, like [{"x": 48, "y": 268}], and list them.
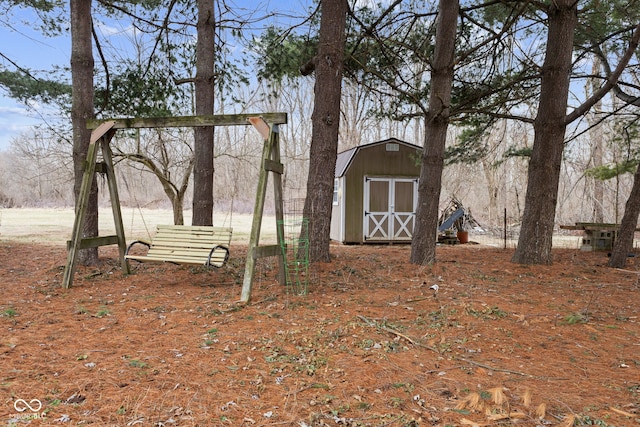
[
  {"x": 611, "y": 82},
  {"x": 105, "y": 65},
  {"x": 617, "y": 90}
]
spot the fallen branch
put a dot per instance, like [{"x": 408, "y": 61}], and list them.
[
  {"x": 628, "y": 271},
  {"x": 398, "y": 334},
  {"x": 417, "y": 299},
  {"x": 491, "y": 368},
  {"x": 621, "y": 412}
]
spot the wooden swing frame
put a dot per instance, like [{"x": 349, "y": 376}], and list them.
[{"x": 267, "y": 124}]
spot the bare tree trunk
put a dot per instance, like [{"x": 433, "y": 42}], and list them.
[
  {"x": 423, "y": 244},
  {"x": 534, "y": 244},
  {"x": 177, "y": 203},
  {"x": 493, "y": 190},
  {"x": 596, "y": 134},
  {"x": 598, "y": 184},
  {"x": 203, "y": 136},
  {"x": 624, "y": 241},
  {"x": 81, "y": 110},
  {"x": 325, "y": 120},
  {"x": 176, "y": 195}
]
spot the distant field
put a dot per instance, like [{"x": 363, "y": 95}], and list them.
[{"x": 54, "y": 226}]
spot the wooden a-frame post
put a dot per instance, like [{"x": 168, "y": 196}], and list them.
[
  {"x": 267, "y": 124},
  {"x": 100, "y": 139},
  {"x": 270, "y": 162}
]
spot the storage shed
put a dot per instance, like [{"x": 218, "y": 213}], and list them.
[{"x": 376, "y": 193}]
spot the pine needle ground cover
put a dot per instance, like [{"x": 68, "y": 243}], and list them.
[{"x": 371, "y": 343}]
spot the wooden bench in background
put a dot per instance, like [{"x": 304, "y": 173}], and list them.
[{"x": 180, "y": 244}]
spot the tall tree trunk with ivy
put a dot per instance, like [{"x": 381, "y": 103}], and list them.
[
  {"x": 203, "y": 170},
  {"x": 325, "y": 121},
  {"x": 81, "y": 110},
  {"x": 423, "y": 244}
]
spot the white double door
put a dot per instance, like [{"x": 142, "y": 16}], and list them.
[{"x": 389, "y": 208}]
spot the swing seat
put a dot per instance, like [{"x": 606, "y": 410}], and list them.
[{"x": 181, "y": 244}]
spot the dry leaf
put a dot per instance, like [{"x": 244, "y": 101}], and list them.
[
  {"x": 526, "y": 398},
  {"x": 489, "y": 411},
  {"x": 498, "y": 417},
  {"x": 517, "y": 415},
  {"x": 541, "y": 411},
  {"x": 569, "y": 421},
  {"x": 510, "y": 415},
  {"x": 498, "y": 396},
  {"x": 473, "y": 401}
]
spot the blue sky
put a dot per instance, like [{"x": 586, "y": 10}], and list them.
[
  {"x": 35, "y": 52},
  {"x": 30, "y": 49}
]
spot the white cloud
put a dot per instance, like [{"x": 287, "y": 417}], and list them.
[
  {"x": 111, "y": 30},
  {"x": 14, "y": 120},
  {"x": 12, "y": 110},
  {"x": 372, "y": 4}
]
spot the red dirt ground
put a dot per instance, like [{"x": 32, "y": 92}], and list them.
[{"x": 370, "y": 345}]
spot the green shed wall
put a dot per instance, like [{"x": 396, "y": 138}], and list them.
[{"x": 373, "y": 161}]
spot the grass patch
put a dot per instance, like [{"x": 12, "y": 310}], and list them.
[
  {"x": 9, "y": 312},
  {"x": 575, "y": 318},
  {"x": 103, "y": 312},
  {"x": 135, "y": 363}
]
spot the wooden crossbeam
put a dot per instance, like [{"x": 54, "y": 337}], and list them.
[{"x": 190, "y": 121}]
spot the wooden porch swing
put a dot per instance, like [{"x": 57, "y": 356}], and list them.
[{"x": 267, "y": 124}]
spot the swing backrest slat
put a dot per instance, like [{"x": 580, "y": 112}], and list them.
[{"x": 180, "y": 244}]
